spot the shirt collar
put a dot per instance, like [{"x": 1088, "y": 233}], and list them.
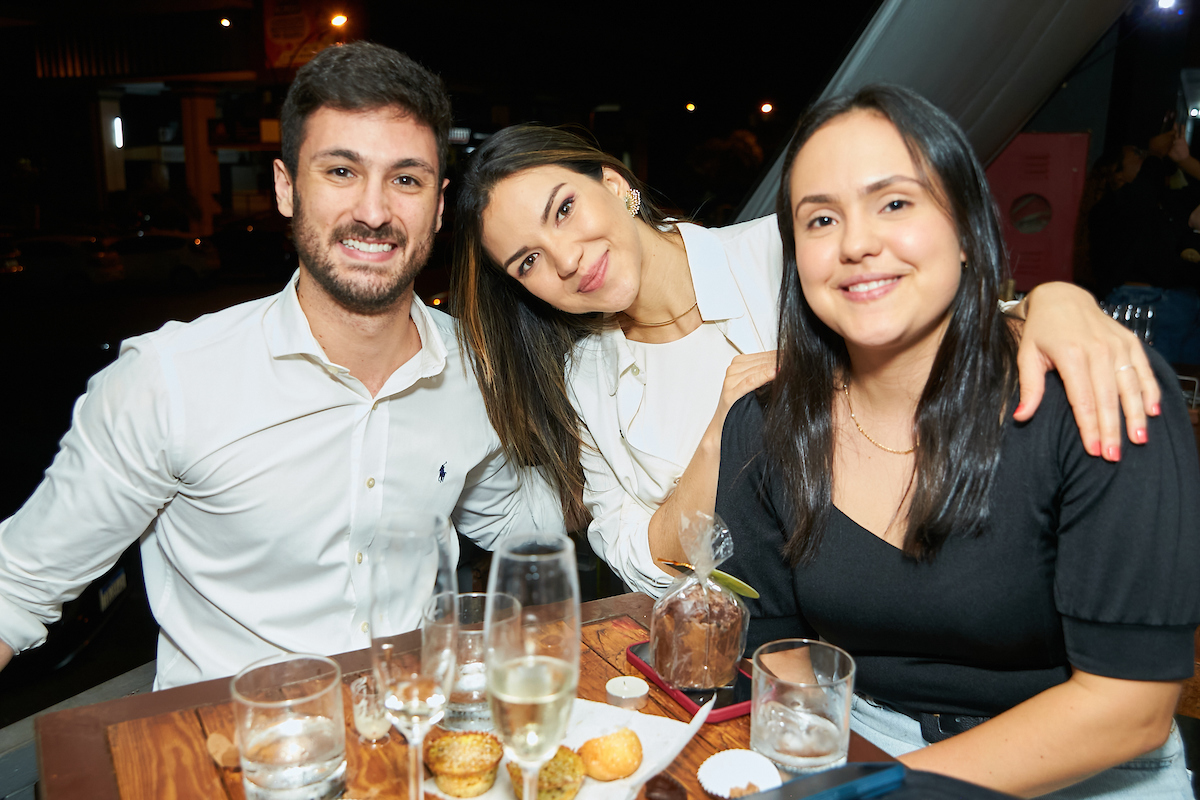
[
  {"x": 287, "y": 329},
  {"x": 716, "y": 291},
  {"x": 288, "y": 332}
]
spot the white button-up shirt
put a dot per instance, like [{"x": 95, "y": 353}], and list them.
[
  {"x": 257, "y": 470},
  {"x": 736, "y": 272}
]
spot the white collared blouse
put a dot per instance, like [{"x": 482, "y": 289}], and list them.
[{"x": 736, "y": 272}]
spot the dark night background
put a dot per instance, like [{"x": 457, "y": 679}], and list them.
[{"x": 625, "y": 72}]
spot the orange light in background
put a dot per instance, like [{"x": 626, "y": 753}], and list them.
[
  {"x": 249, "y": 228},
  {"x": 437, "y": 301},
  {"x": 338, "y": 20},
  {"x": 196, "y": 241},
  {"x": 690, "y": 106},
  {"x": 767, "y": 108},
  {"x": 225, "y": 23}
]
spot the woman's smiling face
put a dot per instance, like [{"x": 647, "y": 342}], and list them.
[
  {"x": 878, "y": 257},
  {"x": 566, "y": 237}
]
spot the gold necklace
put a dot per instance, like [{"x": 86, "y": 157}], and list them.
[
  {"x": 846, "y": 389},
  {"x": 660, "y": 324}
]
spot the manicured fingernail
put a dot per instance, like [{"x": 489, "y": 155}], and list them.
[
  {"x": 1093, "y": 449},
  {"x": 1019, "y": 409},
  {"x": 1113, "y": 453},
  {"x": 1155, "y": 410},
  {"x": 1140, "y": 436}
]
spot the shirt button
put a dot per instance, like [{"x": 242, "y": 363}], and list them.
[
  {"x": 636, "y": 371},
  {"x": 365, "y": 627},
  {"x": 358, "y": 556},
  {"x": 370, "y": 483}
]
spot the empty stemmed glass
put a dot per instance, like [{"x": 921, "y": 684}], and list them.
[
  {"x": 533, "y": 666},
  {"x": 413, "y": 585}
]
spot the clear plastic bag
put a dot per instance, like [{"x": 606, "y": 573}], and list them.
[{"x": 698, "y": 628}]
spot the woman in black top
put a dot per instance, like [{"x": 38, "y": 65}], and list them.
[{"x": 987, "y": 575}]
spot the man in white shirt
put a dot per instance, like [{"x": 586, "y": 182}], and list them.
[{"x": 254, "y": 450}]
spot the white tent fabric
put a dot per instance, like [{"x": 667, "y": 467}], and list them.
[{"x": 990, "y": 65}]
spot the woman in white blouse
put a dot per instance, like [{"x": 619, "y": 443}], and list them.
[{"x": 610, "y": 341}]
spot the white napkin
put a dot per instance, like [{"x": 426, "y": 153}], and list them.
[{"x": 662, "y": 740}]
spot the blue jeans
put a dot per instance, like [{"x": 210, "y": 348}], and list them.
[
  {"x": 1157, "y": 775},
  {"x": 1176, "y": 328}
]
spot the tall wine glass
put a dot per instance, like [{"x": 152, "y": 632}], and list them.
[
  {"x": 413, "y": 585},
  {"x": 533, "y": 666}
]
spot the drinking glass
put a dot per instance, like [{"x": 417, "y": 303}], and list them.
[
  {"x": 468, "y": 709},
  {"x": 290, "y": 728},
  {"x": 370, "y": 718},
  {"x": 532, "y": 665},
  {"x": 800, "y": 704},
  {"x": 413, "y": 585}
]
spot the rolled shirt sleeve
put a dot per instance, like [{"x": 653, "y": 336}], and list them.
[{"x": 109, "y": 479}]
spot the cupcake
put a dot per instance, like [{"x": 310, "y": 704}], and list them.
[{"x": 464, "y": 764}]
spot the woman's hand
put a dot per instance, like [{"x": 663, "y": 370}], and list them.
[
  {"x": 1100, "y": 362},
  {"x": 746, "y": 373},
  {"x": 696, "y": 489}
]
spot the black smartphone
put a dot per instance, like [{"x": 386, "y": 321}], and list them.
[{"x": 844, "y": 783}]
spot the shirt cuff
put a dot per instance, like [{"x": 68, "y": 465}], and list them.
[
  {"x": 19, "y": 629},
  {"x": 1130, "y": 652}
]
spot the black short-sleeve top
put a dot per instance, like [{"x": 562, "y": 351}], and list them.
[{"x": 1086, "y": 564}]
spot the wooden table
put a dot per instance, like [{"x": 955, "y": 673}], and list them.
[{"x": 153, "y": 745}]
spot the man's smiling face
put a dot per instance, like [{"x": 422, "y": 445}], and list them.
[{"x": 366, "y": 202}]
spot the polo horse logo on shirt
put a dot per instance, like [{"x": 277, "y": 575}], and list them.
[{"x": 442, "y": 472}]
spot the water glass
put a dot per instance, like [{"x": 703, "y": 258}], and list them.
[
  {"x": 413, "y": 587},
  {"x": 290, "y": 728},
  {"x": 468, "y": 709},
  {"x": 800, "y": 704},
  {"x": 370, "y": 718}
]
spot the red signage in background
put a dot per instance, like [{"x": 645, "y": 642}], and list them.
[
  {"x": 1038, "y": 182},
  {"x": 286, "y": 23}
]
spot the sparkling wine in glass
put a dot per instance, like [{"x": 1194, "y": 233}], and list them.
[
  {"x": 532, "y": 666},
  {"x": 413, "y": 586}
]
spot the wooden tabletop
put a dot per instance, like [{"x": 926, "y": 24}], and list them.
[{"x": 154, "y": 745}]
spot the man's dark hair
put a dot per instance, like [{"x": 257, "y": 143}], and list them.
[{"x": 361, "y": 77}]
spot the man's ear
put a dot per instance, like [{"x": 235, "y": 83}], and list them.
[
  {"x": 437, "y": 225},
  {"x": 283, "y": 188}
]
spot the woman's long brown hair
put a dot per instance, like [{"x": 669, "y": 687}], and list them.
[{"x": 518, "y": 345}]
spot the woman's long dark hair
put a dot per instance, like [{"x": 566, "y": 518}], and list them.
[
  {"x": 517, "y": 344},
  {"x": 959, "y": 417}
]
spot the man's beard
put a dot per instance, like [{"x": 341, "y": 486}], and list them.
[{"x": 379, "y": 291}]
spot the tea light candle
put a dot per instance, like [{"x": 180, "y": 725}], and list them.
[{"x": 627, "y": 692}]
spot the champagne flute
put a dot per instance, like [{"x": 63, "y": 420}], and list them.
[
  {"x": 532, "y": 666},
  {"x": 413, "y": 585}
]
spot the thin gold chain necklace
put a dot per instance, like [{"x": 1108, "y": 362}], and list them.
[
  {"x": 660, "y": 324},
  {"x": 846, "y": 390}
]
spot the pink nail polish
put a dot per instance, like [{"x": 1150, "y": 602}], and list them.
[
  {"x": 1113, "y": 453},
  {"x": 1140, "y": 436},
  {"x": 1020, "y": 407},
  {"x": 1155, "y": 410},
  {"x": 1093, "y": 449}
]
